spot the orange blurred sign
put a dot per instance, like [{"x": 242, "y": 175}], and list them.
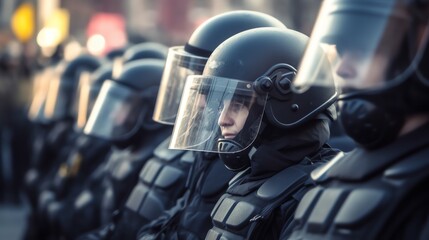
[{"x": 22, "y": 23}]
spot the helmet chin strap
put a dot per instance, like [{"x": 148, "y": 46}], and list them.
[
  {"x": 370, "y": 125},
  {"x": 234, "y": 157},
  {"x": 233, "y": 154}
]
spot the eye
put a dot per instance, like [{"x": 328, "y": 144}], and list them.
[{"x": 236, "y": 106}]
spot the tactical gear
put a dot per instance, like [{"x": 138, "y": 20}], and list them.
[
  {"x": 190, "y": 59},
  {"x": 161, "y": 182},
  {"x": 60, "y": 98},
  {"x": 376, "y": 194},
  {"x": 147, "y": 50},
  {"x": 125, "y": 105},
  {"x": 190, "y": 217},
  {"x": 380, "y": 50},
  {"x": 257, "y": 83},
  {"x": 87, "y": 92}
]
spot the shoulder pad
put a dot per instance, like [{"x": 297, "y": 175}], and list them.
[
  {"x": 162, "y": 151},
  {"x": 409, "y": 165},
  {"x": 320, "y": 174},
  {"x": 283, "y": 182},
  {"x": 188, "y": 157}
]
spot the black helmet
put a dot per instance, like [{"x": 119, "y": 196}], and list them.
[
  {"x": 246, "y": 84},
  {"x": 59, "y": 101},
  {"x": 381, "y": 52},
  {"x": 124, "y": 106},
  {"x": 137, "y": 52},
  {"x": 87, "y": 92},
  {"x": 145, "y": 50},
  {"x": 183, "y": 61},
  {"x": 116, "y": 53}
]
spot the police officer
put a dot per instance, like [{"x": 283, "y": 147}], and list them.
[
  {"x": 207, "y": 180},
  {"x": 378, "y": 191},
  {"x": 161, "y": 180},
  {"x": 85, "y": 154},
  {"x": 242, "y": 107},
  {"x": 55, "y": 115},
  {"x": 122, "y": 115}
]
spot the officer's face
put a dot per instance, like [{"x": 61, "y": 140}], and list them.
[
  {"x": 232, "y": 118},
  {"x": 359, "y": 70}
]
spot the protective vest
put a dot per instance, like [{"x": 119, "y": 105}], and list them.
[
  {"x": 81, "y": 162},
  {"x": 161, "y": 181},
  {"x": 368, "y": 194},
  {"x": 123, "y": 172},
  {"x": 190, "y": 218},
  {"x": 242, "y": 215},
  {"x": 46, "y": 145}
]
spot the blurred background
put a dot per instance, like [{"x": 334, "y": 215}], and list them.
[{"x": 34, "y": 32}]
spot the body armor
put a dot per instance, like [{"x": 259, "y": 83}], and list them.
[
  {"x": 190, "y": 218},
  {"x": 243, "y": 214},
  {"x": 161, "y": 182},
  {"x": 123, "y": 171},
  {"x": 369, "y": 194}
]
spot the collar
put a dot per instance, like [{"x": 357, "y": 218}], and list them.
[{"x": 362, "y": 163}]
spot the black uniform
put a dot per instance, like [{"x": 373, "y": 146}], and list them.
[
  {"x": 161, "y": 182},
  {"x": 46, "y": 152},
  {"x": 70, "y": 178},
  {"x": 190, "y": 218},
  {"x": 110, "y": 187},
  {"x": 378, "y": 194},
  {"x": 262, "y": 199}
]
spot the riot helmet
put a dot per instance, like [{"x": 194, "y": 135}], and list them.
[
  {"x": 244, "y": 91},
  {"x": 62, "y": 90},
  {"x": 87, "y": 92},
  {"x": 190, "y": 59},
  {"x": 139, "y": 51},
  {"x": 124, "y": 106},
  {"x": 380, "y": 52},
  {"x": 115, "y": 53}
]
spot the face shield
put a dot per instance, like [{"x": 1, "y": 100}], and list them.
[
  {"x": 85, "y": 100},
  {"x": 118, "y": 64},
  {"x": 214, "y": 108},
  {"x": 179, "y": 65},
  {"x": 59, "y": 98},
  {"x": 370, "y": 45},
  {"x": 117, "y": 112},
  {"x": 40, "y": 89}
]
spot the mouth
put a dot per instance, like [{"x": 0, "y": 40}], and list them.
[{"x": 229, "y": 135}]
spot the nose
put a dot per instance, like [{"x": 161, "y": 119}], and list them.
[
  {"x": 346, "y": 68},
  {"x": 225, "y": 119}
]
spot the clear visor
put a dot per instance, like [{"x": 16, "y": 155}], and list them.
[
  {"x": 87, "y": 94},
  {"x": 215, "y": 108},
  {"x": 116, "y": 113},
  {"x": 363, "y": 43},
  {"x": 84, "y": 78},
  {"x": 59, "y": 99},
  {"x": 118, "y": 64},
  {"x": 179, "y": 65},
  {"x": 40, "y": 90}
]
